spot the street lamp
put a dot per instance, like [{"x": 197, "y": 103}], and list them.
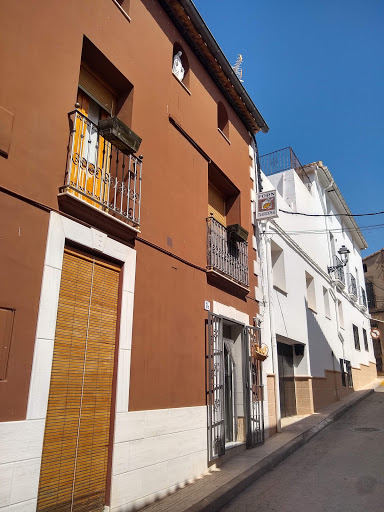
[{"x": 343, "y": 251}]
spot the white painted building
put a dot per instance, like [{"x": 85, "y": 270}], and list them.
[{"x": 314, "y": 320}]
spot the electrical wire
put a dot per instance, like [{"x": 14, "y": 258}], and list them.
[
  {"x": 337, "y": 230},
  {"x": 331, "y": 214}
]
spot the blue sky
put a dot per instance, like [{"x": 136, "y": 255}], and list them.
[{"x": 315, "y": 70}]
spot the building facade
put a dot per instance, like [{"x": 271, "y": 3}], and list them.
[
  {"x": 315, "y": 317},
  {"x": 129, "y": 269},
  {"x": 374, "y": 282}
]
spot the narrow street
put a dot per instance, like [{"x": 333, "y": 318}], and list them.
[{"x": 341, "y": 469}]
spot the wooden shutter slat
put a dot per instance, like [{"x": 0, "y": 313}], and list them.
[
  {"x": 78, "y": 416},
  {"x": 91, "y": 85}
]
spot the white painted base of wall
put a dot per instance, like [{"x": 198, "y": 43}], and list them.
[
  {"x": 155, "y": 453},
  {"x": 20, "y": 452}
]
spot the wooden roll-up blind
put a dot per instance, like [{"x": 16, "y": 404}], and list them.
[
  {"x": 216, "y": 205},
  {"x": 96, "y": 89},
  {"x": 76, "y": 440}
]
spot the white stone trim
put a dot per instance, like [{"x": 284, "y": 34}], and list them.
[
  {"x": 259, "y": 296},
  {"x": 256, "y": 268},
  {"x": 230, "y": 313},
  {"x": 61, "y": 229}
]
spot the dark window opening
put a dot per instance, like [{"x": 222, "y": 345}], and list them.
[
  {"x": 220, "y": 186},
  {"x": 222, "y": 119},
  {"x": 6, "y": 327},
  {"x": 103, "y": 82},
  {"x": 365, "y": 340},
  {"x": 356, "y": 337},
  {"x": 346, "y": 373},
  {"x": 370, "y": 294},
  {"x": 124, "y": 4}
]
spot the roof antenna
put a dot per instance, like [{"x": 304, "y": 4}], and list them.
[{"x": 237, "y": 68}]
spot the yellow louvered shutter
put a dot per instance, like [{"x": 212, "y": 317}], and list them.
[
  {"x": 216, "y": 205},
  {"x": 90, "y": 84},
  {"x": 76, "y": 440}
]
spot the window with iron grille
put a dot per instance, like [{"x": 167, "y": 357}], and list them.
[
  {"x": 356, "y": 336},
  {"x": 346, "y": 373},
  {"x": 370, "y": 294},
  {"x": 365, "y": 340}
]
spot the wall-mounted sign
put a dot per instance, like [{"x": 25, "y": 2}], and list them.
[
  {"x": 375, "y": 333},
  {"x": 266, "y": 207},
  {"x": 207, "y": 305}
]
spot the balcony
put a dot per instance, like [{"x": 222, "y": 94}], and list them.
[
  {"x": 102, "y": 184},
  {"x": 282, "y": 160},
  {"x": 363, "y": 299},
  {"x": 227, "y": 259},
  {"x": 352, "y": 287},
  {"x": 338, "y": 274}
]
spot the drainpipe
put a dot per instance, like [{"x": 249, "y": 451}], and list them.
[
  {"x": 272, "y": 325},
  {"x": 333, "y": 284}
]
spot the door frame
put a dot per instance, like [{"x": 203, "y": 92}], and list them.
[
  {"x": 62, "y": 230},
  {"x": 231, "y": 315}
]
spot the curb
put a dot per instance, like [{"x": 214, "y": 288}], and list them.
[{"x": 217, "y": 499}]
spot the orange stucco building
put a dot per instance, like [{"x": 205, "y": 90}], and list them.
[{"x": 127, "y": 261}]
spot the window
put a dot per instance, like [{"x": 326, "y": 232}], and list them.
[
  {"x": 6, "y": 327},
  {"x": 222, "y": 120},
  {"x": 223, "y": 198},
  {"x": 346, "y": 373},
  {"x": 341, "y": 314},
  {"x": 278, "y": 267},
  {"x": 365, "y": 340},
  {"x": 124, "y": 4},
  {"x": 180, "y": 65},
  {"x": 327, "y": 309},
  {"x": 311, "y": 294},
  {"x": 216, "y": 205},
  {"x": 356, "y": 336},
  {"x": 357, "y": 281},
  {"x": 370, "y": 294}
]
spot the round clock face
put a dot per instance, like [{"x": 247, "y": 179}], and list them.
[{"x": 375, "y": 333}]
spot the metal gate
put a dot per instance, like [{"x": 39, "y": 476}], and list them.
[
  {"x": 253, "y": 388},
  {"x": 215, "y": 385}
]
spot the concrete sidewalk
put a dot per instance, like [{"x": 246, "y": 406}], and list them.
[{"x": 214, "y": 489}]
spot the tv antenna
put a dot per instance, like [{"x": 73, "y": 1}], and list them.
[{"x": 237, "y": 68}]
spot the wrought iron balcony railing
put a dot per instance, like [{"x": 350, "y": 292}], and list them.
[
  {"x": 282, "y": 160},
  {"x": 352, "y": 287},
  {"x": 363, "y": 297},
  {"x": 100, "y": 174},
  {"x": 225, "y": 255},
  {"x": 339, "y": 271}
]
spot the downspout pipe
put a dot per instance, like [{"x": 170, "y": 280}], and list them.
[
  {"x": 333, "y": 284},
  {"x": 272, "y": 325}
]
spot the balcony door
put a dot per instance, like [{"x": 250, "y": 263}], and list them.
[
  {"x": 77, "y": 430},
  {"x": 216, "y": 205},
  {"x": 91, "y": 154}
]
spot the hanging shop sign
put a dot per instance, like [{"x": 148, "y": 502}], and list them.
[
  {"x": 375, "y": 333},
  {"x": 266, "y": 207}
]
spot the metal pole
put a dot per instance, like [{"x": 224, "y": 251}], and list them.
[{"x": 272, "y": 325}]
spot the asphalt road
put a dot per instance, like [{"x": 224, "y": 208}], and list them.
[{"x": 339, "y": 470}]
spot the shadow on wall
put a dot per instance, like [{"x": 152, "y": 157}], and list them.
[{"x": 328, "y": 388}]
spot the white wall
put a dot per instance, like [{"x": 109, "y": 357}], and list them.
[{"x": 305, "y": 242}]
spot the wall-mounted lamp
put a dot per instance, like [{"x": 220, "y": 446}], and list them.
[{"x": 343, "y": 251}]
